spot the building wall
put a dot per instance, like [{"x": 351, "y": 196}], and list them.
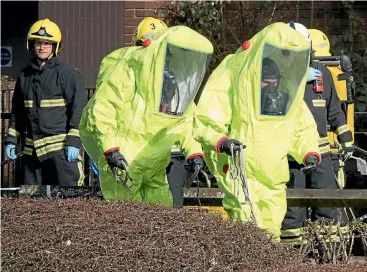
[
  {"x": 327, "y": 16},
  {"x": 91, "y": 30},
  {"x": 15, "y": 23},
  {"x": 323, "y": 15}
]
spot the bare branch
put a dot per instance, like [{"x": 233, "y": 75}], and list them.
[{"x": 272, "y": 14}]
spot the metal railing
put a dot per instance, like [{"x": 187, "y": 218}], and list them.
[
  {"x": 11, "y": 175},
  {"x": 7, "y": 170}
]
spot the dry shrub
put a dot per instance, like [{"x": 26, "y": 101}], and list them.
[{"x": 93, "y": 235}]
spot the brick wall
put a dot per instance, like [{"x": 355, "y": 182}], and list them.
[
  {"x": 323, "y": 15},
  {"x": 327, "y": 16}
]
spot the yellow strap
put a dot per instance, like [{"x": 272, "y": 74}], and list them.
[
  {"x": 49, "y": 148},
  {"x": 29, "y": 141},
  {"x": 175, "y": 148},
  {"x": 50, "y": 140},
  {"x": 74, "y": 132},
  {"x": 53, "y": 103},
  {"x": 341, "y": 178},
  {"x": 344, "y": 230},
  {"x": 327, "y": 229},
  {"x": 324, "y": 149},
  {"x": 348, "y": 144},
  {"x": 13, "y": 132},
  {"x": 318, "y": 102},
  {"x": 290, "y": 232},
  {"x": 340, "y": 130},
  {"x": 28, "y": 150},
  {"x": 28, "y": 103},
  {"x": 296, "y": 241},
  {"x": 323, "y": 140},
  {"x": 81, "y": 174}
]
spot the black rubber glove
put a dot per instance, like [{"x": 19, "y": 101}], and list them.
[
  {"x": 194, "y": 162},
  {"x": 115, "y": 159},
  {"x": 311, "y": 162},
  {"x": 191, "y": 165},
  {"x": 225, "y": 146}
]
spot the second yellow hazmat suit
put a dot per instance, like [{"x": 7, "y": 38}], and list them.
[
  {"x": 143, "y": 105},
  {"x": 230, "y": 105}
]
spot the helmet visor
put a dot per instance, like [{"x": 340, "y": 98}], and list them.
[
  {"x": 281, "y": 74},
  {"x": 183, "y": 74}
]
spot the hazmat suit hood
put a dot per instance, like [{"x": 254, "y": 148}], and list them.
[
  {"x": 169, "y": 71},
  {"x": 289, "y": 51}
]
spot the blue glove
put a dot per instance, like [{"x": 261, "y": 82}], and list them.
[
  {"x": 10, "y": 151},
  {"x": 94, "y": 168},
  {"x": 72, "y": 153},
  {"x": 313, "y": 74}
]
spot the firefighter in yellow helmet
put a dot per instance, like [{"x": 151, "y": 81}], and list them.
[
  {"x": 146, "y": 29},
  {"x": 48, "y": 100},
  {"x": 320, "y": 43},
  {"x": 321, "y": 48},
  {"x": 44, "y": 30},
  {"x": 323, "y": 101}
]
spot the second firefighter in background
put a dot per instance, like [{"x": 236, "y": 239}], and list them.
[{"x": 323, "y": 101}]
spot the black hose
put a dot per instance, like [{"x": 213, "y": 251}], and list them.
[{"x": 9, "y": 160}]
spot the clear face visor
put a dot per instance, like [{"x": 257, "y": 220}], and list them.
[
  {"x": 281, "y": 74},
  {"x": 183, "y": 74}
]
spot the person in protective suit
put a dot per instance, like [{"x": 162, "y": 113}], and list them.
[
  {"x": 236, "y": 115},
  {"x": 176, "y": 171},
  {"x": 323, "y": 101},
  {"x": 48, "y": 100},
  {"x": 125, "y": 125}
]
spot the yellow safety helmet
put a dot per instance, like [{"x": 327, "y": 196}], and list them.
[
  {"x": 146, "y": 29},
  {"x": 45, "y": 30},
  {"x": 320, "y": 43}
]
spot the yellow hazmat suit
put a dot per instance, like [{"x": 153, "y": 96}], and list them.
[
  {"x": 230, "y": 105},
  {"x": 144, "y": 105}
]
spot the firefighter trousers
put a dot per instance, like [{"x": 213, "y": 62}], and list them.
[
  {"x": 176, "y": 175},
  {"x": 295, "y": 219},
  {"x": 53, "y": 171}
]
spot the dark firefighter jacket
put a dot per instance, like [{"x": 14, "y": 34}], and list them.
[
  {"x": 47, "y": 104},
  {"x": 326, "y": 109}
]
